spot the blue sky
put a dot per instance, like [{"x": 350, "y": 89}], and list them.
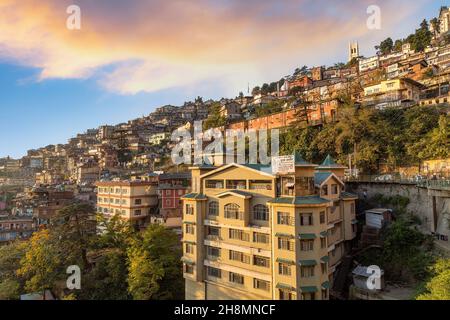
[{"x": 38, "y": 110}]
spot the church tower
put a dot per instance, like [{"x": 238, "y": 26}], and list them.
[{"x": 353, "y": 50}]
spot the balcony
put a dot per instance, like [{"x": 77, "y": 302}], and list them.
[{"x": 234, "y": 215}]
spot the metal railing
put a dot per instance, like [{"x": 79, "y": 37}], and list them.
[{"x": 441, "y": 184}]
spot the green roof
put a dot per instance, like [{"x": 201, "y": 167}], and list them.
[
  {"x": 307, "y": 262},
  {"x": 281, "y": 260},
  {"x": 354, "y": 221},
  {"x": 309, "y": 289},
  {"x": 325, "y": 259},
  {"x": 346, "y": 195},
  {"x": 300, "y": 200},
  {"x": 299, "y": 161},
  {"x": 330, "y": 163},
  {"x": 189, "y": 222},
  {"x": 285, "y": 286},
  {"x": 307, "y": 236},
  {"x": 326, "y": 285},
  {"x": 196, "y": 196},
  {"x": 320, "y": 177},
  {"x": 323, "y": 234},
  {"x": 190, "y": 242},
  {"x": 287, "y": 235}
]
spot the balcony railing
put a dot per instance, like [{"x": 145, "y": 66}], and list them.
[{"x": 234, "y": 215}]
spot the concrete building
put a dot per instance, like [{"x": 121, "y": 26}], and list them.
[
  {"x": 392, "y": 93},
  {"x": 369, "y": 63},
  {"x": 252, "y": 233},
  {"x": 132, "y": 200}
]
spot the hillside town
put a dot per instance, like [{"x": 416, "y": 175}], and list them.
[{"x": 247, "y": 231}]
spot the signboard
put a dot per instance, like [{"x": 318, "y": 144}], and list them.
[{"x": 283, "y": 164}]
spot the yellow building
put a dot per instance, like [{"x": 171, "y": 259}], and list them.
[
  {"x": 132, "y": 200},
  {"x": 251, "y": 234}
]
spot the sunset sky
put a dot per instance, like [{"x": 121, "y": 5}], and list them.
[{"x": 132, "y": 56}]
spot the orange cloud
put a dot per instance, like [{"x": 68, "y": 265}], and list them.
[{"x": 135, "y": 46}]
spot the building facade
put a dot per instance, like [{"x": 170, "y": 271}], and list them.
[
  {"x": 131, "y": 200},
  {"x": 252, "y": 234}
]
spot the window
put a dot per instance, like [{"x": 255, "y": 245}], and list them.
[
  {"x": 260, "y": 237},
  {"x": 352, "y": 208},
  {"x": 238, "y": 235},
  {"x": 117, "y": 201},
  {"x": 100, "y": 200},
  {"x": 325, "y": 190},
  {"x": 261, "y": 261},
  {"x": 306, "y": 219},
  {"x": 323, "y": 267},
  {"x": 236, "y": 184},
  {"x": 260, "y": 184},
  {"x": 188, "y": 269},
  {"x": 261, "y": 212},
  {"x": 285, "y": 243},
  {"x": 118, "y": 190},
  {"x": 322, "y": 217},
  {"x": 124, "y": 191},
  {"x": 306, "y": 245},
  {"x": 189, "y": 229},
  {"x": 334, "y": 189},
  {"x": 213, "y": 232},
  {"x": 213, "y": 252},
  {"x": 261, "y": 284},
  {"x": 214, "y": 272},
  {"x": 239, "y": 256},
  {"x": 137, "y": 212},
  {"x": 232, "y": 211},
  {"x": 189, "y": 209},
  {"x": 214, "y": 184},
  {"x": 323, "y": 242},
  {"x": 284, "y": 218},
  {"x": 138, "y": 201},
  {"x": 286, "y": 295},
  {"x": 284, "y": 269},
  {"x": 189, "y": 248},
  {"x": 307, "y": 271},
  {"x": 324, "y": 294},
  {"x": 168, "y": 202},
  {"x": 236, "y": 278},
  {"x": 213, "y": 208}
]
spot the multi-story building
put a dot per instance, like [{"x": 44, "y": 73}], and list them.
[
  {"x": 249, "y": 233},
  {"x": 131, "y": 200}
]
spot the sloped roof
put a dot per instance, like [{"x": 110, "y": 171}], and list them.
[
  {"x": 330, "y": 163},
  {"x": 299, "y": 161},
  {"x": 196, "y": 196},
  {"x": 348, "y": 195},
  {"x": 236, "y": 192},
  {"x": 300, "y": 200},
  {"x": 320, "y": 177}
]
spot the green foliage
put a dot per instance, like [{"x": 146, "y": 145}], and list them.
[
  {"x": 41, "y": 266},
  {"x": 393, "y": 136},
  {"x": 270, "y": 108},
  {"x": 9, "y": 289},
  {"x": 438, "y": 287},
  {"x": 386, "y": 46},
  {"x": 215, "y": 119},
  {"x": 155, "y": 270}
]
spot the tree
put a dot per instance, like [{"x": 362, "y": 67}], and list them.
[
  {"x": 265, "y": 89},
  {"x": 215, "y": 119},
  {"x": 155, "y": 270},
  {"x": 10, "y": 283},
  {"x": 385, "y": 46},
  {"x": 256, "y": 90},
  {"x": 438, "y": 287},
  {"x": 41, "y": 265}
]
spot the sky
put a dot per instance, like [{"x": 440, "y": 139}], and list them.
[{"x": 130, "y": 57}]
